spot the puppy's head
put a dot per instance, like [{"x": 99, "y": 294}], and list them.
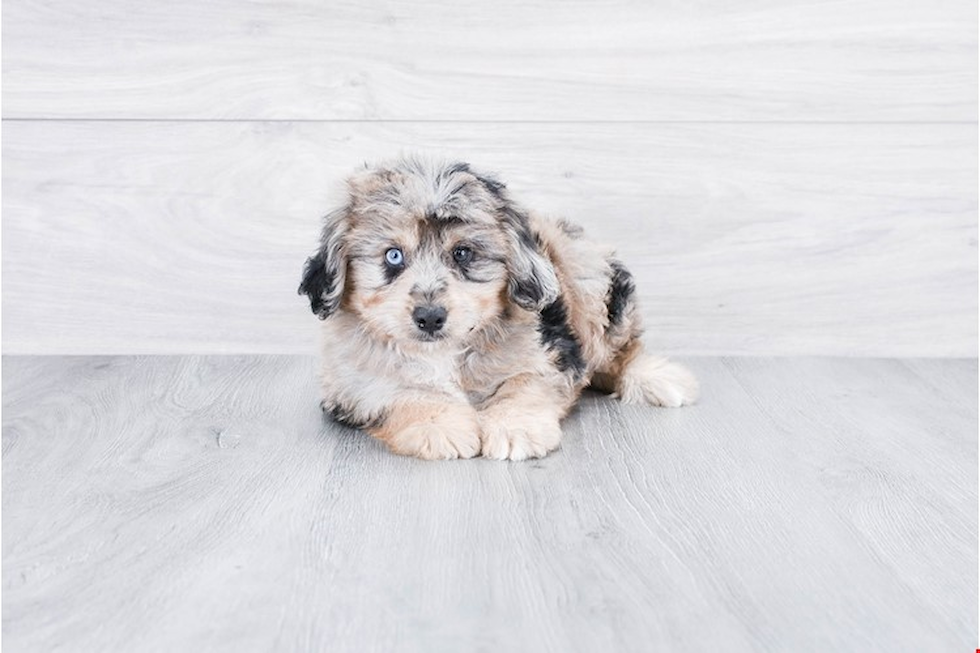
[{"x": 427, "y": 252}]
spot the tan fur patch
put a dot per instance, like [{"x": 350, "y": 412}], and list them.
[
  {"x": 522, "y": 419},
  {"x": 370, "y": 300},
  {"x": 433, "y": 431}
]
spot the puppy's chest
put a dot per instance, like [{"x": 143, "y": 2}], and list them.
[
  {"x": 474, "y": 374},
  {"x": 437, "y": 372},
  {"x": 467, "y": 374},
  {"x": 479, "y": 377},
  {"x": 483, "y": 370}
]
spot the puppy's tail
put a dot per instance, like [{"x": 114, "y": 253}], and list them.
[
  {"x": 657, "y": 381},
  {"x": 639, "y": 378}
]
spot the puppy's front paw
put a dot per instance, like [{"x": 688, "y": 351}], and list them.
[
  {"x": 517, "y": 437},
  {"x": 438, "y": 432}
]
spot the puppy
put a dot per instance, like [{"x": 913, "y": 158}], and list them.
[{"x": 456, "y": 323}]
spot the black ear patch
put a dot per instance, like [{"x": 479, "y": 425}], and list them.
[
  {"x": 532, "y": 282},
  {"x": 325, "y": 272},
  {"x": 528, "y": 290},
  {"x": 319, "y": 283}
]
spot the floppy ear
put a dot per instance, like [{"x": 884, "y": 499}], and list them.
[
  {"x": 533, "y": 284},
  {"x": 325, "y": 272}
]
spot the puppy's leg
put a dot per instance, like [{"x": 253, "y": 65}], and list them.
[
  {"x": 631, "y": 373},
  {"x": 521, "y": 419},
  {"x": 433, "y": 428},
  {"x": 637, "y": 377}
]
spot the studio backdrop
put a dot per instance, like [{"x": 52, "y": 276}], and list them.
[{"x": 782, "y": 177}]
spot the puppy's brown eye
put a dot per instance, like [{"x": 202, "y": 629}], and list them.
[{"x": 462, "y": 255}]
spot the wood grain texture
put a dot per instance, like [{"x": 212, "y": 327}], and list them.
[
  {"x": 869, "y": 60},
  {"x": 201, "y": 503},
  {"x": 136, "y": 237}
]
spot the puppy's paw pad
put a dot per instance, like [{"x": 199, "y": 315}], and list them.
[{"x": 520, "y": 441}]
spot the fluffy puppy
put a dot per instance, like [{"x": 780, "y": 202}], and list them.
[{"x": 456, "y": 323}]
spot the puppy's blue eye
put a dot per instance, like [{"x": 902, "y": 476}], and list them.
[
  {"x": 462, "y": 255},
  {"x": 394, "y": 257}
]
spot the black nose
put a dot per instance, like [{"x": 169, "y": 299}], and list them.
[{"x": 429, "y": 318}]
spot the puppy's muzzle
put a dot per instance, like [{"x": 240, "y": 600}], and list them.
[{"x": 429, "y": 319}]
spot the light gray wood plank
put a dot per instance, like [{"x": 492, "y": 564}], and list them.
[
  {"x": 200, "y": 503},
  {"x": 895, "y": 453},
  {"x": 626, "y": 60},
  {"x": 751, "y": 239}
]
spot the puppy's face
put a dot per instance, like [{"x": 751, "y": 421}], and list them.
[
  {"x": 424, "y": 276},
  {"x": 427, "y": 253}
]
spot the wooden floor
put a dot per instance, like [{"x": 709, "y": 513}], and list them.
[{"x": 203, "y": 504}]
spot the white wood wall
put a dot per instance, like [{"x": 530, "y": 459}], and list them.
[{"x": 784, "y": 177}]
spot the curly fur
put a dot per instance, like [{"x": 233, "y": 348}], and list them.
[{"x": 536, "y": 314}]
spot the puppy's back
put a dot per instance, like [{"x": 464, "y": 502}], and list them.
[{"x": 597, "y": 292}]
